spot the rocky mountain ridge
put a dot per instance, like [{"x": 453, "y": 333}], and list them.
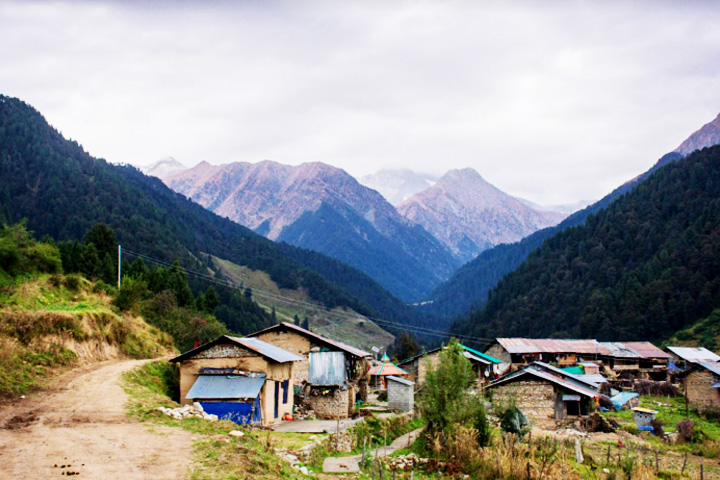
[{"x": 470, "y": 215}]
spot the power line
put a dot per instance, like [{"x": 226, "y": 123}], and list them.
[{"x": 300, "y": 303}]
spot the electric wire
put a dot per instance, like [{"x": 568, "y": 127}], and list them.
[{"x": 300, "y": 303}]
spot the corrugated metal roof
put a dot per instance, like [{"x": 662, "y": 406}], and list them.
[
  {"x": 327, "y": 368},
  {"x": 545, "y": 375},
  {"x": 563, "y": 373},
  {"x": 582, "y": 347},
  {"x": 549, "y": 345},
  {"x": 646, "y": 350},
  {"x": 266, "y": 349},
  {"x": 595, "y": 378},
  {"x": 291, "y": 326},
  {"x": 475, "y": 358},
  {"x": 618, "y": 350},
  {"x": 485, "y": 356},
  {"x": 404, "y": 381},
  {"x": 695, "y": 354},
  {"x": 208, "y": 387},
  {"x": 644, "y": 410},
  {"x": 258, "y": 346},
  {"x": 714, "y": 367}
]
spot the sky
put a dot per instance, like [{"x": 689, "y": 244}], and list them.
[{"x": 552, "y": 101}]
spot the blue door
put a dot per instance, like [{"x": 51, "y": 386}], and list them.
[{"x": 242, "y": 413}]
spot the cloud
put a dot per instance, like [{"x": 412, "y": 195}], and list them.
[{"x": 553, "y": 101}]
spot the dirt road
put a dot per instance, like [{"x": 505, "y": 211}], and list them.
[{"x": 79, "y": 428}]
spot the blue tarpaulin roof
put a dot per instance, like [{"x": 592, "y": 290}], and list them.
[
  {"x": 622, "y": 398},
  {"x": 225, "y": 387}
]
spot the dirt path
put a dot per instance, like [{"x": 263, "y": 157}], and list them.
[{"x": 80, "y": 426}]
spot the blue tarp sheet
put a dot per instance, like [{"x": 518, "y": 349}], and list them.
[
  {"x": 238, "y": 412},
  {"x": 622, "y": 398}
]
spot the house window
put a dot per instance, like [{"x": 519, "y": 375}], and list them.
[{"x": 285, "y": 387}]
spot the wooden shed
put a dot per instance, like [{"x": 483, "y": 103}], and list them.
[
  {"x": 331, "y": 375},
  {"x": 242, "y": 379}
]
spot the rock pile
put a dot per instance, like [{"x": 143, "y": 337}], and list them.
[
  {"x": 188, "y": 411},
  {"x": 342, "y": 442},
  {"x": 404, "y": 462}
]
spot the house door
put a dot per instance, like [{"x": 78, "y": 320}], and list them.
[{"x": 277, "y": 399}]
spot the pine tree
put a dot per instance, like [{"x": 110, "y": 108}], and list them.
[{"x": 211, "y": 299}]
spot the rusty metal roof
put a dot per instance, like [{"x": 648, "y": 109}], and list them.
[
  {"x": 646, "y": 350},
  {"x": 564, "y": 374},
  {"x": 695, "y": 354},
  {"x": 307, "y": 333},
  {"x": 549, "y": 345},
  {"x": 582, "y": 347}
]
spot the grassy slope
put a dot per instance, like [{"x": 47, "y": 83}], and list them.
[
  {"x": 51, "y": 322},
  {"x": 345, "y": 326}
]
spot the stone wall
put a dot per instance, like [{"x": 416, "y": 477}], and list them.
[
  {"x": 699, "y": 389},
  {"x": 330, "y": 406},
  {"x": 536, "y": 399},
  {"x": 295, "y": 343},
  {"x": 400, "y": 397}
]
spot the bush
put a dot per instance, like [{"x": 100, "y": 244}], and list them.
[
  {"x": 130, "y": 294},
  {"x": 514, "y": 421},
  {"x": 686, "y": 430}
]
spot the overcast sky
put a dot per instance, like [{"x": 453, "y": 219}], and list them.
[{"x": 552, "y": 101}]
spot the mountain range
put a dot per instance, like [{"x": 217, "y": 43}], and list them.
[
  {"x": 322, "y": 208},
  {"x": 398, "y": 185},
  {"x": 409, "y": 249}
]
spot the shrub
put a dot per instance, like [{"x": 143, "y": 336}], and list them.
[
  {"x": 686, "y": 430},
  {"x": 130, "y": 294},
  {"x": 514, "y": 421}
]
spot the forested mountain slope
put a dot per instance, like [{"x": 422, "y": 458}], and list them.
[
  {"x": 643, "y": 268},
  {"x": 63, "y": 191},
  {"x": 469, "y": 286}
]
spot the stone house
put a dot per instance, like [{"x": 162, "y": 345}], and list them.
[
  {"x": 243, "y": 379},
  {"x": 485, "y": 366},
  {"x": 401, "y": 394},
  {"x": 543, "y": 396},
  {"x": 331, "y": 375},
  {"x": 700, "y": 374}
]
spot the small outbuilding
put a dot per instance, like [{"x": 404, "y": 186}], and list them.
[
  {"x": 643, "y": 416},
  {"x": 385, "y": 368},
  {"x": 244, "y": 380},
  {"x": 401, "y": 394}
]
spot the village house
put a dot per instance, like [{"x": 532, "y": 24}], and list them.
[
  {"x": 331, "y": 375},
  {"x": 639, "y": 359},
  {"x": 242, "y": 379},
  {"x": 485, "y": 366},
  {"x": 700, "y": 374},
  {"x": 543, "y": 395}
]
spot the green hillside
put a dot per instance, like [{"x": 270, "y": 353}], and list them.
[
  {"x": 63, "y": 192},
  {"x": 644, "y": 268}
]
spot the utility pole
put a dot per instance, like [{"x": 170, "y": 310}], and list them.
[{"x": 119, "y": 265}]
